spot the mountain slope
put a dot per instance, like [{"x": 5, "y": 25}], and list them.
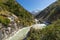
[
  {"x": 51, "y": 13},
  {"x": 15, "y": 8},
  {"x": 51, "y": 32},
  {"x": 13, "y": 17}
]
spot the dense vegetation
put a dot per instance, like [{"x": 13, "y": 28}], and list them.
[
  {"x": 51, "y": 32},
  {"x": 51, "y": 13},
  {"x": 4, "y": 20},
  {"x": 12, "y": 6}
]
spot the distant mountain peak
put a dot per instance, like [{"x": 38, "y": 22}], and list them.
[{"x": 35, "y": 12}]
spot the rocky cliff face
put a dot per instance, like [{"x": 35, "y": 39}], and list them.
[
  {"x": 51, "y": 13},
  {"x": 13, "y": 17}
]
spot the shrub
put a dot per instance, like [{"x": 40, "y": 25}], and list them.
[
  {"x": 51, "y": 32},
  {"x": 4, "y": 20}
]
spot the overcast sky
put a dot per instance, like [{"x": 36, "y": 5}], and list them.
[{"x": 32, "y": 5}]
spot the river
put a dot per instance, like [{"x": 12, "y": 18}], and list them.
[{"x": 21, "y": 33}]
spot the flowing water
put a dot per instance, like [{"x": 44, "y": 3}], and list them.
[{"x": 21, "y": 33}]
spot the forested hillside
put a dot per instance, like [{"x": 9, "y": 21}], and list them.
[
  {"x": 13, "y": 7},
  {"x": 51, "y": 13},
  {"x": 13, "y": 17}
]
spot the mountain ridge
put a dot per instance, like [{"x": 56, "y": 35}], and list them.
[{"x": 50, "y": 13}]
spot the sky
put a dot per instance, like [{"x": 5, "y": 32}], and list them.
[{"x": 32, "y": 5}]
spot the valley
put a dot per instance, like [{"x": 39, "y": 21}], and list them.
[{"x": 17, "y": 23}]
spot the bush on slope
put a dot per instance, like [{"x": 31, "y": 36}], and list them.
[{"x": 51, "y": 32}]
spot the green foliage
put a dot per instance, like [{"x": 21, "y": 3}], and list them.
[
  {"x": 33, "y": 34},
  {"x": 51, "y": 13},
  {"x": 51, "y": 32},
  {"x": 4, "y": 20},
  {"x": 12, "y": 6}
]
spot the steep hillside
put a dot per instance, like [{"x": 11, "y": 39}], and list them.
[
  {"x": 15, "y": 8},
  {"x": 51, "y": 13},
  {"x": 51, "y": 32},
  {"x": 13, "y": 16}
]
